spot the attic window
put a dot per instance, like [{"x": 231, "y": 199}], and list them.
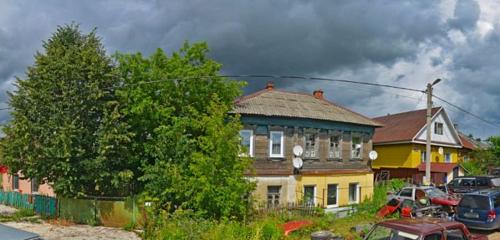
[{"x": 438, "y": 128}]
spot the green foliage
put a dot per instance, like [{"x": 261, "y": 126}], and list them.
[
  {"x": 178, "y": 130},
  {"x": 184, "y": 225},
  {"x": 484, "y": 159},
  {"x": 396, "y": 184},
  {"x": 473, "y": 167},
  {"x": 379, "y": 198},
  {"x": 57, "y": 113}
]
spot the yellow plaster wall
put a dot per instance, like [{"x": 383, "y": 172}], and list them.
[
  {"x": 365, "y": 181},
  {"x": 408, "y": 155},
  {"x": 393, "y": 156}
]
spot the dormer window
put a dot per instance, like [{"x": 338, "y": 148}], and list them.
[{"x": 438, "y": 128}]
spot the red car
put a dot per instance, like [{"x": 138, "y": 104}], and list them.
[{"x": 421, "y": 229}]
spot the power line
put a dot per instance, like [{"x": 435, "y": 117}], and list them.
[{"x": 465, "y": 111}]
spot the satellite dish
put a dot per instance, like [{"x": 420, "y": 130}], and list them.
[
  {"x": 297, "y": 162},
  {"x": 373, "y": 155},
  {"x": 297, "y": 150},
  {"x": 441, "y": 150}
]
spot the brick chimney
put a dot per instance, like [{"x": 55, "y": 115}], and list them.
[
  {"x": 270, "y": 86},
  {"x": 318, "y": 94}
]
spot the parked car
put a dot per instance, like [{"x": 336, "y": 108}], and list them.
[
  {"x": 495, "y": 171},
  {"x": 11, "y": 233},
  {"x": 436, "y": 196},
  {"x": 480, "y": 210},
  {"x": 421, "y": 229},
  {"x": 462, "y": 185}
]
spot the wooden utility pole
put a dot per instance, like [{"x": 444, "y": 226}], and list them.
[{"x": 428, "y": 152}]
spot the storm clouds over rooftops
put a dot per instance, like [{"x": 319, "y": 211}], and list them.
[{"x": 406, "y": 43}]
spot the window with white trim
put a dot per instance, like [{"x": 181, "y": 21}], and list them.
[
  {"x": 356, "y": 147},
  {"x": 353, "y": 193},
  {"x": 447, "y": 157},
  {"x": 246, "y": 137},
  {"x": 438, "y": 128},
  {"x": 332, "y": 195},
  {"x": 310, "y": 195},
  {"x": 34, "y": 185},
  {"x": 311, "y": 148},
  {"x": 334, "y": 152},
  {"x": 276, "y": 144},
  {"x": 423, "y": 155}
]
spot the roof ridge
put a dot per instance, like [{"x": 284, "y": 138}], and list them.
[{"x": 401, "y": 113}]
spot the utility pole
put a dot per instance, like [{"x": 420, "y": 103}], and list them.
[{"x": 428, "y": 152}]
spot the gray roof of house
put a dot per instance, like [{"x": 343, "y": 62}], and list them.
[{"x": 277, "y": 103}]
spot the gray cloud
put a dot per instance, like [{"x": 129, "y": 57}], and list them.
[{"x": 393, "y": 42}]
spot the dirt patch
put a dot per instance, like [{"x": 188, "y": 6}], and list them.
[{"x": 74, "y": 232}]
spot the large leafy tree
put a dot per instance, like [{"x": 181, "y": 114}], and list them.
[
  {"x": 57, "y": 113},
  {"x": 176, "y": 108}
]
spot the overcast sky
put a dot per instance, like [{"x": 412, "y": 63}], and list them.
[{"x": 405, "y": 43}]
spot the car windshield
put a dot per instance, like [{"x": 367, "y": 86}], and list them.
[
  {"x": 475, "y": 202},
  {"x": 385, "y": 233},
  {"x": 435, "y": 193}
]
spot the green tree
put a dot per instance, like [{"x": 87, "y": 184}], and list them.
[
  {"x": 177, "y": 111},
  {"x": 57, "y": 115}
]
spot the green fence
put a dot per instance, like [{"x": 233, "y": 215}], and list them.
[
  {"x": 16, "y": 199},
  {"x": 110, "y": 212}
]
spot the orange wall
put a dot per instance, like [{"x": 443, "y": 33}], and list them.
[{"x": 25, "y": 186}]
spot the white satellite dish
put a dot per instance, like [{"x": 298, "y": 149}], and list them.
[
  {"x": 373, "y": 155},
  {"x": 441, "y": 150},
  {"x": 297, "y": 150},
  {"x": 297, "y": 162}
]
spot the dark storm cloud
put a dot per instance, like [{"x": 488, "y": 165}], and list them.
[{"x": 358, "y": 40}]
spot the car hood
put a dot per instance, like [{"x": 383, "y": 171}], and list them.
[{"x": 446, "y": 201}]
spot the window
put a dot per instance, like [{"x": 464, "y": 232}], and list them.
[
  {"x": 311, "y": 145},
  {"x": 15, "y": 182},
  {"x": 309, "y": 195},
  {"x": 331, "y": 199},
  {"x": 496, "y": 201},
  {"x": 423, "y": 155},
  {"x": 438, "y": 128},
  {"x": 356, "y": 147},
  {"x": 433, "y": 236},
  {"x": 34, "y": 185},
  {"x": 447, "y": 157},
  {"x": 353, "y": 193},
  {"x": 276, "y": 144},
  {"x": 407, "y": 192},
  {"x": 246, "y": 137},
  {"x": 482, "y": 182},
  {"x": 466, "y": 158},
  {"x": 334, "y": 150},
  {"x": 455, "y": 234},
  {"x": 475, "y": 202},
  {"x": 273, "y": 196}
]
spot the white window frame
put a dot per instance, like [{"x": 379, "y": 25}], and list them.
[
  {"x": 330, "y": 145},
  {"x": 337, "y": 202},
  {"x": 314, "y": 193},
  {"x": 273, "y": 199},
  {"x": 423, "y": 156},
  {"x": 436, "y": 128},
  {"x": 34, "y": 181},
  {"x": 448, "y": 160},
  {"x": 250, "y": 150},
  {"x": 357, "y": 193},
  {"x": 361, "y": 146},
  {"x": 14, "y": 177},
  {"x": 281, "y": 154},
  {"x": 316, "y": 144}
]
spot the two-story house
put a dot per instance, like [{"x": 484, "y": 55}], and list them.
[
  {"x": 401, "y": 146},
  {"x": 335, "y": 142}
]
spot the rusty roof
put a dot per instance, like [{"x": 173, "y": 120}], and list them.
[
  {"x": 420, "y": 226},
  {"x": 438, "y": 167},
  {"x": 466, "y": 142},
  {"x": 401, "y": 127},
  {"x": 278, "y": 103}
]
